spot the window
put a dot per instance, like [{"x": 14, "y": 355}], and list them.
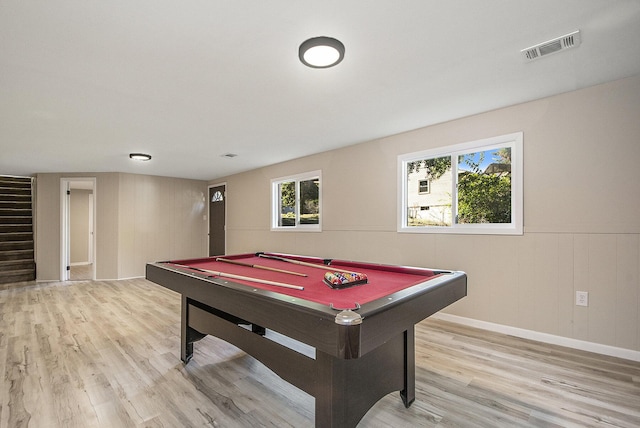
[
  {"x": 296, "y": 202},
  {"x": 474, "y": 187},
  {"x": 217, "y": 197},
  {"x": 423, "y": 186}
]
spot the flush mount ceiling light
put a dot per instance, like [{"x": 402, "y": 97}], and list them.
[
  {"x": 140, "y": 156},
  {"x": 321, "y": 52}
]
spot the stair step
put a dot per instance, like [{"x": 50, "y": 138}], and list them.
[
  {"x": 16, "y": 255},
  {"x": 15, "y": 190},
  {"x": 15, "y": 203},
  {"x": 15, "y": 212},
  {"x": 22, "y": 196},
  {"x": 17, "y": 276},
  {"x": 15, "y": 179},
  {"x": 15, "y": 183},
  {"x": 15, "y": 272},
  {"x": 15, "y": 228},
  {"x": 11, "y": 265},
  {"x": 16, "y": 236},
  {"x": 15, "y": 245},
  {"x": 15, "y": 220}
]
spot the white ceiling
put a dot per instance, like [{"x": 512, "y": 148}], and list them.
[{"x": 84, "y": 83}]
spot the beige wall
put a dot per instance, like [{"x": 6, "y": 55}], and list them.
[
  {"x": 138, "y": 219},
  {"x": 581, "y": 215},
  {"x": 160, "y": 218},
  {"x": 79, "y": 225},
  {"x": 47, "y": 219}
]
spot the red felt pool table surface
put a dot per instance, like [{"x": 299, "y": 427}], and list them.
[{"x": 383, "y": 280}]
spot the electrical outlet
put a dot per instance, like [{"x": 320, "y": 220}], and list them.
[{"x": 582, "y": 298}]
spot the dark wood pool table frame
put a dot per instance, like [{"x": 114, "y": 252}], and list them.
[{"x": 354, "y": 365}]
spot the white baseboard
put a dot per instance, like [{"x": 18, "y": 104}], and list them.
[
  {"x": 582, "y": 345},
  {"x": 97, "y": 279}
]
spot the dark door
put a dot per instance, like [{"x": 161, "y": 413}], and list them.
[{"x": 217, "y": 220}]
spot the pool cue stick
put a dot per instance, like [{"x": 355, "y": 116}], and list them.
[
  {"x": 244, "y": 278},
  {"x": 313, "y": 265},
  {"x": 235, "y": 262}
]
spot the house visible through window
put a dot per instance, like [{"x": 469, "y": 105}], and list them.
[
  {"x": 473, "y": 187},
  {"x": 296, "y": 202}
]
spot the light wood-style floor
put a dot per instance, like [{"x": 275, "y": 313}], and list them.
[
  {"x": 106, "y": 354},
  {"x": 81, "y": 272}
]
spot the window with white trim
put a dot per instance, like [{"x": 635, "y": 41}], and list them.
[
  {"x": 474, "y": 187},
  {"x": 296, "y": 202}
]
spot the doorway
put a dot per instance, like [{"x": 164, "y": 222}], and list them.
[
  {"x": 217, "y": 219},
  {"x": 78, "y": 229}
]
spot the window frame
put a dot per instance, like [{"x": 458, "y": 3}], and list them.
[
  {"x": 275, "y": 202},
  {"x": 516, "y": 227}
]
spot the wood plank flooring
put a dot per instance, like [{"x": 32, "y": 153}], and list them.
[
  {"x": 106, "y": 354},
  {"x": 81, "y": 272}
]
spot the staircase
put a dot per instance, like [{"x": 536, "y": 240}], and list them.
[{"x": 16, "y": 230}]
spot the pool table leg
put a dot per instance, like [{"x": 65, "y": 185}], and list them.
[
  {"x": 187, "y": 334},
  {"x": 346, "y": 389},
  {"x": 408, "y": 394},
  {"x": 186, "y": 346}
]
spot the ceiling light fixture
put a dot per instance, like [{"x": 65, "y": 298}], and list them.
[
  {"x": 140, "y": 156},
  {"x": 321, "y": 52}
]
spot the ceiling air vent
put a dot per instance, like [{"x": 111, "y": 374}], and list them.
[{"x": 567, "y": 41}]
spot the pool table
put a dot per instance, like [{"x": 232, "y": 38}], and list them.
[{"x": 361, "y": 337}]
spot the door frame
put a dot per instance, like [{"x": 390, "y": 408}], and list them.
[
  {"x": 224, "y": 183},
  {"x": 65, "y": 229}
]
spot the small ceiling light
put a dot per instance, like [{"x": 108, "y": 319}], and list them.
[
  {"x": 321, "y": 52},
  {"x": 140, "y": 156}
]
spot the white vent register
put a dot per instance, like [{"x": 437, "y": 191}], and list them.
[{"x": 558, "y": 44}]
